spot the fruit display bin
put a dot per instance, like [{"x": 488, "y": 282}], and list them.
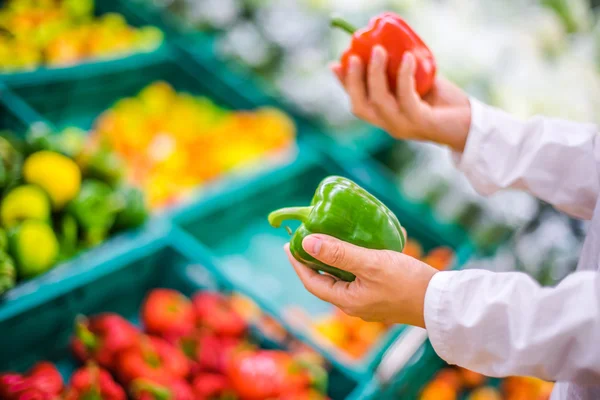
[
  {"x": 78, "y": 98},
  {"x": 200, "y": 47},
  {"x": 43, "y": 332},
  {"x": 46, "y": 74},
  {"x": 233, "y": 228}
]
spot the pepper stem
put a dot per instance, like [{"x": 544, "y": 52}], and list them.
[
  {"x": 297, "y": 213},
  {"x": 338, "y": 22},
  {"x": 89, "y": 340}
]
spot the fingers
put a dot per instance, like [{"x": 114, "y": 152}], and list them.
[
  {"x": 325, "y": 287},
  {"x": 406, "y": 92},
  {"x": 355, "y": 86},
  {"x": 336, "y": 68},
  {"x": 380, "y": 96},
  {"x": 339, "y": 254}
]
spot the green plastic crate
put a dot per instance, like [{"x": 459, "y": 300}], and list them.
[
  {"x": 42, "y": 333},
  {"x": 45, "y": 74},
  {"x": 78, "y": 98},
  {"x": 249, "y": 252},
  {"x": 14, "y": 114}
]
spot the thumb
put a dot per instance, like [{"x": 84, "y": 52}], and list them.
[{"x": 339, "y": 254}]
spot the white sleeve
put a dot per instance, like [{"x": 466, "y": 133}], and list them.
[
  {"x": 503, "y": 324},
  {"x": 555, "y": 160}
]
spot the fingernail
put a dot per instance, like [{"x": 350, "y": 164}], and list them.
[
  {"x": 407, "y": 59},
  {"x": 354, "y": 61},
  {"x": 312, "y": 244},
  {"x": 378, "y": 54}
]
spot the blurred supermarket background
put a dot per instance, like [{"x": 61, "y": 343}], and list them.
[{"x": 144, "y": 142}]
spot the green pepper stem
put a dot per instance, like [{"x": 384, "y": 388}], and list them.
[
  {"x": 158, "y": 392},
  {"x": 89, "y": 340},
  {"x": 338, "y": 22},
  {"x": 297, "y": 213}
]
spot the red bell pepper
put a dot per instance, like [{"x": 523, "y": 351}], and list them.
[
  {"x": 102, "y": 337},
  {"x": 168, "y": 313},
  {"x": 11, "y": 384},
  {"x": 43, "y": 379},
  {"x": 215, "y": 313},
  {"x": 209, "y": 386},
  {"x": 153, "y": 359},
  {"x": 208, "y": 352},
  {"x": 34, "y": 394},
  {"x": 264, "y": 374},
  {"x": 392, "y": 33},
  {"x": 93, "y": 383},
  {"x": 143, "y": 389}
]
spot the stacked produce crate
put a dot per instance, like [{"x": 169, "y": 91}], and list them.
[{"x": 185, "y": 123}]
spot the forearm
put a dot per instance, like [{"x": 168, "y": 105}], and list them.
[
  {"x": 506, "y": 324},
  {"x": 554, "y": 160}
]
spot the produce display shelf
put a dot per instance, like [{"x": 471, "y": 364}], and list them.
[
  {"x": 249, "y": 252},
  {"x": 43, "y": 333},
  {"x": 91, "y": 67}
]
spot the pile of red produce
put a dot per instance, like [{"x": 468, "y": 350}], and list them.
[{"x": 189, "y": 349}]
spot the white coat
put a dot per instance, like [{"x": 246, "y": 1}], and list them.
[{"x": 503, "y": 324}]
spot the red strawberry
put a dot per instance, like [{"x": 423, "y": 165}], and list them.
[
  {"x": 153, "y": 359},
  {"x": 102, "y": 337},
  {"x": 45, "y": 377},
  {"x": 168, "y": 313},
  {"x": 214, "y": 311}
]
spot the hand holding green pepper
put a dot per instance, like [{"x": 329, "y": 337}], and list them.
[{"x": 390, "y": 287}]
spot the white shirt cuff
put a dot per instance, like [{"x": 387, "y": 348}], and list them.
[{"x": 435, "y": 312}]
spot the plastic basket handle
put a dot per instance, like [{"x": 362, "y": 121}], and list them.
[{"x": 400, "y": 353}]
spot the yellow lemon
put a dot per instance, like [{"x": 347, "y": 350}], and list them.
[{"x": 58, "y": 175}]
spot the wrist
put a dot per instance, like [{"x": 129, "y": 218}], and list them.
[
  {"x": 450, "y": 127},
  {"x": 414, "y": 302}
]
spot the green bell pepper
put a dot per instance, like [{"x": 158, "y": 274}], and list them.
[
  {"x": 104, "y": 164},
  {"x": 95, "y": 208},
  {"x": 344, "y": 210},
  {"x": 134, "y": 212}
]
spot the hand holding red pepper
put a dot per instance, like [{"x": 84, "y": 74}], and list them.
[
  {"x": 392, "y": 33},
  {"x": 389, "y": 74}
]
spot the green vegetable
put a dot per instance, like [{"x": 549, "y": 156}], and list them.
[
  {"x": 24, "y": 203},
  {"x": 3, "y": 240},
  {"x": 11, "y": 163},
  {"x": 39, "y": 137},
  {"x": 69, "y": 142},
  {"x": 134, "y": 212},
  {"x": 95, "y": 208},
  {"x": 35, "y": 248},
  {"x": 68, "y": 236},
  {"x": 103, "y": 164},
  {"x": 8, "y": 273},
  {"x": 342, "y": 209}
]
